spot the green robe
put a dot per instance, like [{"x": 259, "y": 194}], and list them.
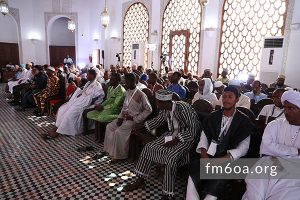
[{"x": 112, "y": 105}]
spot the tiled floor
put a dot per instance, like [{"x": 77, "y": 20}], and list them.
[{"x": 32, "y": 168}]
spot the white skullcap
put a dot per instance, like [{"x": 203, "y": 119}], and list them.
[
  {"x": 281, "y": 76},
  {"x": 163, "y": 95},
  {"x": 234, "y": 82},
  {"x": 291, "y": 96},
  {"x": 51, "y": 69},
  {"x": 218, "y": 84}
]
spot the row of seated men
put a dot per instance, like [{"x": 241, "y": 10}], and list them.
[{"x": 130, "y": 108}]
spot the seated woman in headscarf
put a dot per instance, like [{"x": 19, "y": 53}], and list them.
[{"x": 206, "y": 92}]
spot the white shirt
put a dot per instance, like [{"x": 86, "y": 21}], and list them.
[
  {"x": 271, "y": 111},
  {"x": 141, "y": 86},
  {"x": 211, "y": 97},
  {"x": 68, "y": 60}
]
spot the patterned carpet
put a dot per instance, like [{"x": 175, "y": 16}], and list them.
[{"x": 32, "y": 168}]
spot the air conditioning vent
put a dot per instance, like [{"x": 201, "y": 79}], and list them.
[
  {"x": 273, "y": 43},
  {"x": 135, "y": 46}
]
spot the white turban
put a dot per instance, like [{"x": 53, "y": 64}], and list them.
[
  {"x": 218, "y": 84},
  {"x": 292, "y": 97},
  {"x": 51, "y": 69},
  {"x": 234, "y": 82},
  {"x": 164, "y": 95}
]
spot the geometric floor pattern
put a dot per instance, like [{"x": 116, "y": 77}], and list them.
[{"x": 33, "y": 168}]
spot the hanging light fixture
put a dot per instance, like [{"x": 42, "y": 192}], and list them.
[
  {"x": 71, "y": 23},
  {"x": 105, "y": 17},
  {"x": 4, "y": 7}
]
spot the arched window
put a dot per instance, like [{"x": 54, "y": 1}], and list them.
[
  {"x": 181, "y": 34},
  {"x": 136, "y": 29},
  {"x": 245, "y": 23}
]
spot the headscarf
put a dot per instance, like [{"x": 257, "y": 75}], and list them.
[
  {"x": 291, "y": 96},
  {"x": 208, "y": 87}
]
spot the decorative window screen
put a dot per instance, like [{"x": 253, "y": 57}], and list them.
[
  {"x": 182, "y": 15},
  {"x": 136, "y": 29},
  {"x": 245, "y": 23}
]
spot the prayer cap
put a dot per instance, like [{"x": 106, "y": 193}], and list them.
[
  {"x": 234, "y": 82},
  {"x": 232, "y": 89},
  {"x": 218, "y": 84},
  {"x": 291, "y": 96},
  {"x": 144, "y": 77},
  {"x": 164, "y": 95},
  {"x": 51, "y": 69},
  {"x": 281, "y": 76}
]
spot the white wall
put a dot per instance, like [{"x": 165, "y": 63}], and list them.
[
  {"x": 60, "y": 35},
  {"x": 209, "y": 33},
  {"x": 9, "y": 32},
  {"x": 292, "y": 69}
]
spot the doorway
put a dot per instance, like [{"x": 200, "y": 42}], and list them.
[{"x": 179, "y": 49}]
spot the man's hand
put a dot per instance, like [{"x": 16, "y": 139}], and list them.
[
  {"x": 99, "y": 107},
  {"x": 172, "y": 143},
  {"x": 204, "y": 153},
  {"x": 120, "y": 121}
]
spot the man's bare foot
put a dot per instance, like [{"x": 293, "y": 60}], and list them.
[{"x": 50, "y": 135}]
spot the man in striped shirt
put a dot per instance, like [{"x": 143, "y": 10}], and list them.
[{"x": 172, "y": 148}]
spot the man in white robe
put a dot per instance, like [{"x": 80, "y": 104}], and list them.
[
  {"x": 244, "y": 101},
  {"x": 281, "y": 139},
  {"x": 69, "y": 119},
  {"x": 136, "y": 108},
  {"x": 24, "y": 77}
]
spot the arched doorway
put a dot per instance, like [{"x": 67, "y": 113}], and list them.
[
  {"x": 9, "y": 41},
  {"x": 61, "y": 41}
]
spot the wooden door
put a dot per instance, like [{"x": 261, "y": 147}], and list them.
[
  {"x": 9, "y": 52},
  {"x": 58, "y": 54},
  {"x": 179, "y": 49}
]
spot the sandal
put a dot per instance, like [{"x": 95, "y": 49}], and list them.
[
  {"x": 98, "y": 156},
  {"x": 85, "y": 149},
  {"x": 47, "y": 137},
  {"x": 133, "y": 186}
]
